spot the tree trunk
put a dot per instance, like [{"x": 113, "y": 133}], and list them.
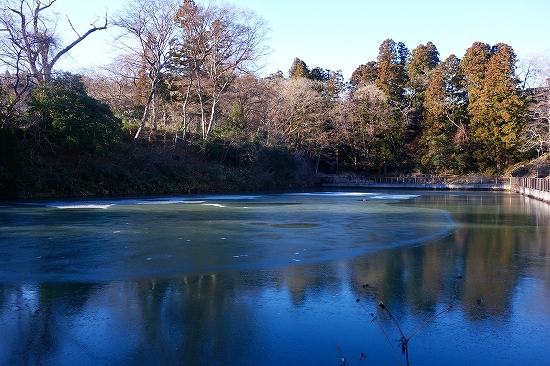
[{"x": 146, "y": 112}]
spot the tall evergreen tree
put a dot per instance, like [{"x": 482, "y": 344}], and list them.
[
  {"x": 392, "y": 79},
  {"x": 423, "y": 59},
  {"x": 420, "y": 64},
  {"x": 392, "y": 76},
  {"x": 445, "y": 139},
  {"x": 498, "y": 111},
  {"x": 365, "y": 74},
  {"x": 298, "y": 69},
  {"x": 319, "y": 74},
  {"x": 473, "y": 68}
]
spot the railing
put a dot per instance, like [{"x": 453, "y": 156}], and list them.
[
  {"x": 537, "y": 188},
  {"x": 437, "y": 180},
  {"x": 540, "y": 184},
  {"x": 421, "y": 179}
]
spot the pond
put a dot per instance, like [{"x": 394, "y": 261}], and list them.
[{"x": 274, "y": 279}]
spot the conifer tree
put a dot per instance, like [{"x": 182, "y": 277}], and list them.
[
  {"x": 498, "y": 111},
  {"x": 392, "y": 79},
  {"x": 473, "y": 67},
  {"x": 445, "y": 139},
  {"x": 298, "y": 69},
  {"x": 392, "y": 76},
  {"x": 364, "y": 74},
  {"x": 422, "y": 61}
]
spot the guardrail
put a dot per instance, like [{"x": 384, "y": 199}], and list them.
[
  {"x": 540, "y": 184},
  {"x": 416, "y": 180},
  {"x": 532, "y": 187}
]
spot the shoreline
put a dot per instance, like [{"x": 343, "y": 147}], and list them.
[{"x": 541, "y": 195}]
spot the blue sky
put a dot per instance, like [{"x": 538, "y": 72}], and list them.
[{"x": 342, "y": 34}]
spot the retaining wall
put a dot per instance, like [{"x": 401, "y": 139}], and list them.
[{"x": 532, "y": 193}]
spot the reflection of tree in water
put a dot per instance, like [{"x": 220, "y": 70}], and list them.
[
  {"x": 486, "y": 248},
  {"x": 37, "y": 310},
  {"x": 410, "y": 279},
  {"x": 189, "y": 320},
  {"x": 192, "y": 320}
]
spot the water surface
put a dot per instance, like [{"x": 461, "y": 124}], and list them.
[{"x": 273, "y": 279}]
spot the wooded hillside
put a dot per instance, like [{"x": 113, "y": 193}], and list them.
[{"x": 184, "y": 110}]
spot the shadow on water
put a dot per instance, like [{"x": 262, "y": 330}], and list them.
[{"x": 283, "y": 311}]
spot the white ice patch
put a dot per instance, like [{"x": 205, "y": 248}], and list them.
[
  {"x": 213, "y": 204},
  {"x": 395, "y": 196},
  {"x": 232, "y": 197},
  {"x": 168, "y": 202},
  {"x": 81, "y": 206},
  {"x": 335, "y": 194},
  {"x": 103, "y": 204}
]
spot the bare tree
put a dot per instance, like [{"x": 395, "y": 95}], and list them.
[
  {"x": 30, "y": 47},
  {"x": 536, "y": 73},
  {"x": 215, "y": 45},
  {"x": 300, "y": 115},
  {"x": 536, "y": 135},
  {"x": 148, "y": 32},
  {"x": 534, "y": 70},
  {"x": 29, "y": 44},
  {"x": 362, "y": 120}
]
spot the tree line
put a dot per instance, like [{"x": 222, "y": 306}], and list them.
[{"x": 187, "y": 80}]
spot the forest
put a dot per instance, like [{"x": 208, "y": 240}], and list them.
[{"x": 184, "y": 108}]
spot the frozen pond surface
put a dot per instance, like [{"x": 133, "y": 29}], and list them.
[{"x": 273, "y": 279}]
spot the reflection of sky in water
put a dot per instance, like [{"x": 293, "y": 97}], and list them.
[{"x": 276, "y": 283}]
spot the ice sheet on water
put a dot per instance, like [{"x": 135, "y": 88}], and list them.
[
  {"x": 213, "y": 204},
  {"x": 80, "y": 206},
  {"x": 335, "y": 194},
  {"x": 103, "y": 204},
  {"x": 164, "y": 201},
  {"x": 234, "y": 197},
  {"x": 395, "y": 196}
]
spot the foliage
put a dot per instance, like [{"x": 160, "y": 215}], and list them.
[
  {"x": 497, "y": 108},
  {"x": 365, "y": 74},
  {"x": 392, "y": 75},
  {"x": 299, "y": 69},
  {"x": 422, "y": 61},
  {"x": 11, "y": 163},
  {"x": 445, "y": 137},
  {"x": 78, "y": 121}
]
